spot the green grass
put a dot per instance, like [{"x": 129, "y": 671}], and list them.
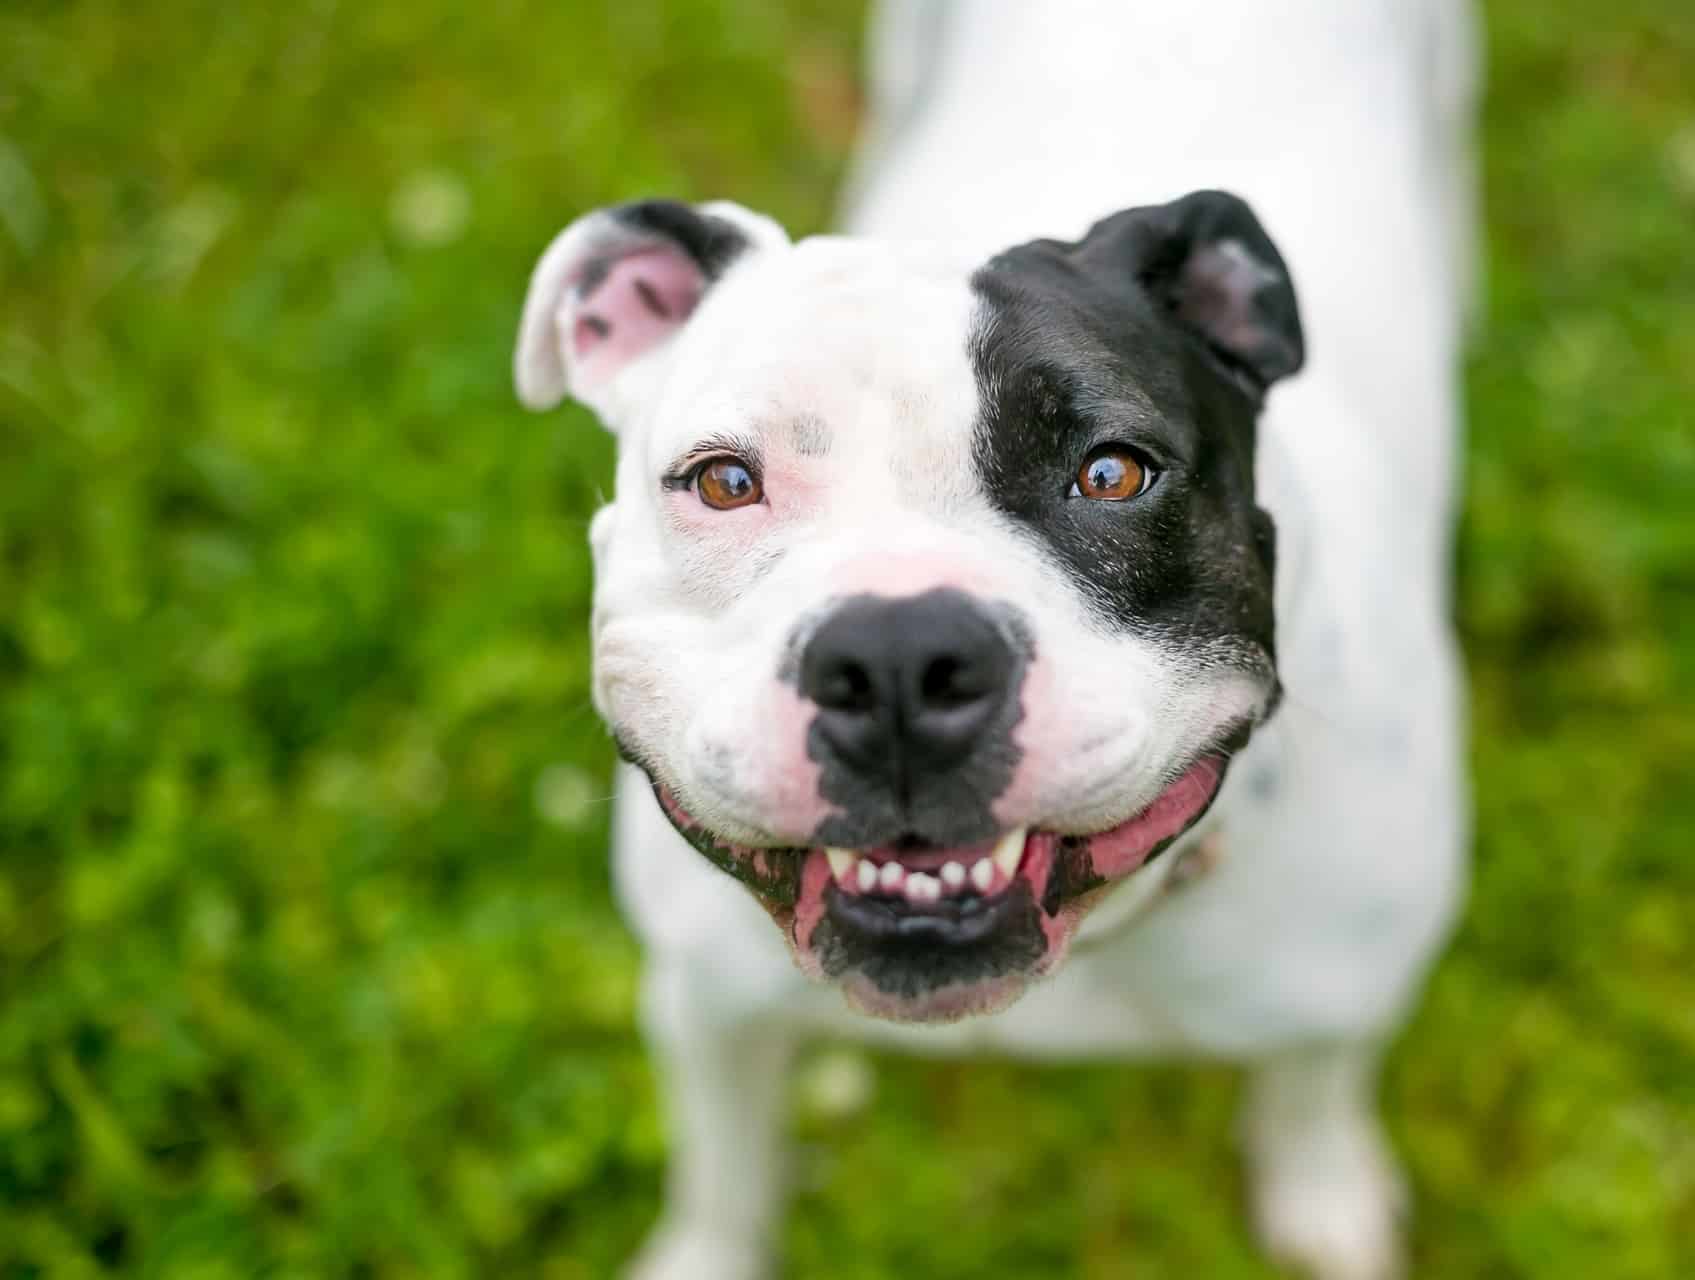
[{"x": 308, "y": 965}]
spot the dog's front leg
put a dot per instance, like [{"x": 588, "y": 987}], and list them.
[
  {"x": 723, "y": 1083},
  {"x": 1327, "y": 1193}
]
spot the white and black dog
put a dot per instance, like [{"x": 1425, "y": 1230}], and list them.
[{"x": 954, "y": 578}]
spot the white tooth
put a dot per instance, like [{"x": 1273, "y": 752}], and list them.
[
  {"x": 923, "y": 888},
  {"x": 953, "y": 876},
  {"x": 841, "y": 863},
  {"x": 867, "y": 874},
  {"x": 982, "y": 874},
  {"x": 1010, "y": 851},
  {"x": 891, "y": 876}
]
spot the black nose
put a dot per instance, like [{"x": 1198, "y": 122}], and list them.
[{"x": 906, "y": 688}]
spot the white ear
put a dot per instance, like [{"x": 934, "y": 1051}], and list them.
[{"x": 615, "y": 287}]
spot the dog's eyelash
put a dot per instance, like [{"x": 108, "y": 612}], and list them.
[{"x": 681, "y": 473}]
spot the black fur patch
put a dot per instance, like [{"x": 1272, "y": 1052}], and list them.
[
  {"x": 1080, "y": 346},
  {"x": 712, "y": 242}
]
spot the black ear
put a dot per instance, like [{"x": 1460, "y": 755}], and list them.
[{"x": 1208, "y": 261}]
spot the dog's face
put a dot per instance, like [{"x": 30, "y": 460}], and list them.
[{"x": 934, "y": 598}]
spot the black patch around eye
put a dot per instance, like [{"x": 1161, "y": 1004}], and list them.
[{"x": 1055, "y": 350}]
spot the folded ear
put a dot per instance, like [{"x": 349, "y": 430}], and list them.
[
  {"x": 1208, "y": 261},
  {"x": 615, "y": 287}
]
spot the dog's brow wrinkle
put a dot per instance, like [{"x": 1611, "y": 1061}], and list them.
[{"x": 810, "y": 436}]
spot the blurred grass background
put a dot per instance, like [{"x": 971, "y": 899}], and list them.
[{"x": 308, "y": 966}]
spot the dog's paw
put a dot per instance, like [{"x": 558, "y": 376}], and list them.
[
  {"x": 687, "y": 1253},
  {"x": 1334, "y": 1214}
]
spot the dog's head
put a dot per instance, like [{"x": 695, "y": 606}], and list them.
[{"x": 934, "y": 598}]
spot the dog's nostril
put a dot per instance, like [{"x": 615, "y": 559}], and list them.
[
  {"x": 956, "y": 678},
  {"x": 945, "y": 682},
  {"x": 844, "y": 686}
]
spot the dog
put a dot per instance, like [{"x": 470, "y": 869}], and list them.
[{"x": 1023, "y": 621}]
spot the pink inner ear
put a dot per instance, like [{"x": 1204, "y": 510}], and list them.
[{"x": 630, "y": 305}]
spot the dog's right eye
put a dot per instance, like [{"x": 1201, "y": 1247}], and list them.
[
  {"x": 1113, "y": 473},
  {"x": 727, "y": 483}
]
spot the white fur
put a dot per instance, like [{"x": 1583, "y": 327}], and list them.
[
  {"x": 1343, "y": 824},
  {"x": 694, "y": 608}
]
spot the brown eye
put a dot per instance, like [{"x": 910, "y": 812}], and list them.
[
  {"x": 1112, "y": 473},
  {"x": 725, "y": 483}
]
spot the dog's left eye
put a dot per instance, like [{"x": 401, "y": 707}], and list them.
[
  {"x": 1113, "y": 473},
  {"x": 727, "y": 483}
]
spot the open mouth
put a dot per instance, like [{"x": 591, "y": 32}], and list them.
[{"x": 916, "y": 932}]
